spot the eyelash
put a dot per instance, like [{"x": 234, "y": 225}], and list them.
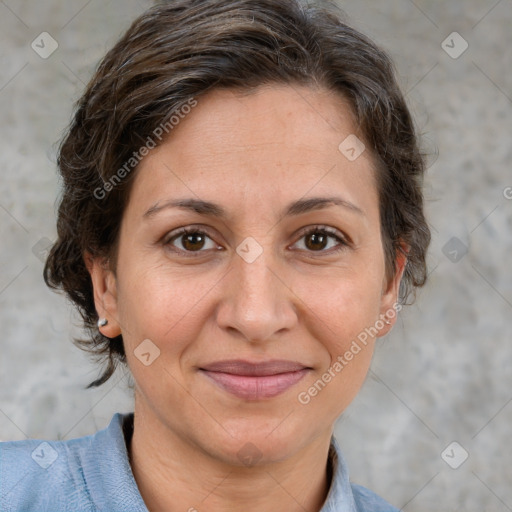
[{"x": 332, "y": 233}]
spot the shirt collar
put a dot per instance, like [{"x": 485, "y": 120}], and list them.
[
  {"x": 117, "y": 489},
  {"x": 340, "y": 497},
  {"x": 108, "y": 473}
]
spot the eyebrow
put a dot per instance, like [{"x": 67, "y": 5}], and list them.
[{"x": 215, "y": 210}]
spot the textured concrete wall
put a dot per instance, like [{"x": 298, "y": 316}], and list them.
[{"x": 442, "y": 375}]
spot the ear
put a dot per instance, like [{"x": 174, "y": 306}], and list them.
[
  {"x": 389, "y": 306},
  {"x": 105, "y": 293}
]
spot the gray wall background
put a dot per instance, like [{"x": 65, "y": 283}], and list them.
[{"x": 442, "y": 375}]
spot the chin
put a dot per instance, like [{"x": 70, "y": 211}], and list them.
[{"x": 249, "y": 442}]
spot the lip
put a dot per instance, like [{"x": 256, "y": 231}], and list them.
[{"x": 255, "y": 381}]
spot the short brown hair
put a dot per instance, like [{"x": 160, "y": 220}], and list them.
[{"x": 181, "y": 49}]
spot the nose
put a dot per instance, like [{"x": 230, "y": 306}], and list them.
[{"x": 257, "y": 303}]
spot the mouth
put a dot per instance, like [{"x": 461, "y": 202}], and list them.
[{"x": 255, "y": 381}]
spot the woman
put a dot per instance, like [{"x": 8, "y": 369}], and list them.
[{"x": 241, "y": 219}]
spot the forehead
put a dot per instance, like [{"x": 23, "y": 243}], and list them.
[{"x": 274, "y": 144}]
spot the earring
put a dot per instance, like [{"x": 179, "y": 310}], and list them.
[{"x": 102, "y": 322}]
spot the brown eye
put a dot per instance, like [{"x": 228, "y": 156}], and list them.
[
  {"x": 193, "y": 241},
  {"x": 190, "y": 240},
  {"x": 318, "y": 239}
]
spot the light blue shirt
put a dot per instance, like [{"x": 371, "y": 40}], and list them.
[{"x": 93, "y": 473}]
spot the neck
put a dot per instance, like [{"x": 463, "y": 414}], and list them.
[{"x": 173, "y": 474}]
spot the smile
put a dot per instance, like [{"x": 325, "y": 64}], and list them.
[{"x": 255, "y": 381}]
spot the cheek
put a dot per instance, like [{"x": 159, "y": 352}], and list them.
[
  {"x": 168, "y": 312},
  {"x": 340, "y": 307},
  {"x": 163, "y": 304},
  {"x": 342, "y": 322}
]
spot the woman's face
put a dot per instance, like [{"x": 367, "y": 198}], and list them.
[{"x": 276, "y": 277}]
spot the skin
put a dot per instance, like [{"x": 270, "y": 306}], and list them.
[{"x": 253, "y": 154}]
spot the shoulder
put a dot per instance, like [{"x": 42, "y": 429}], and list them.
[
  {"x": 368, "y": 501},
  {"x": 38, "y": 475}
]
